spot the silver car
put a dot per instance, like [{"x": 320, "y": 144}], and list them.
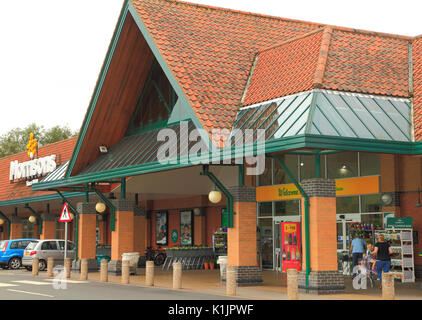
[{"x": 45, "y": 249}]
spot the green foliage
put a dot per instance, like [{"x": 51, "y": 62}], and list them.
[{"x": 15, "y": 140}]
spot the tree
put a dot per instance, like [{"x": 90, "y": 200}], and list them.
[{"x": 15, "y": 140}]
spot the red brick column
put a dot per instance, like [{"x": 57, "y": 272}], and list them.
[
  {"x": 87, "y": 234},
  {"x": 102, "y": 225},
  {"x": 15, "y": 227},
  {"x": 122, "y": 238},
  {"x": 241, "y": 239},
  {"x": 200, "y": 228},
  {"x": 48, "y": 226},
  {"x": 324, "y": 277}
]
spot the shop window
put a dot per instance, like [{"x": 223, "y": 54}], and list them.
[
  {"x": 265, "y": 209},
  {"x": 265, "y": 179},
  {"x": 27, "y": 229},
  {"x": 371, "y": 203},
  {"x": 347, "y": 205},
  {"x": 287, "y": 208},
  {"x": 60, "y": 230},
  {"x": 342, "y": 165},
  {"x": 265, "y": 239},
  {"x": 280, "y": 176},
  {"x": 307, "y": 167},
  {"x": 376, "y": 220},
  {"x": 369, "y": 164}
]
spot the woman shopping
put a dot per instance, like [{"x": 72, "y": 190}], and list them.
[{"x": 382, "y": 251}]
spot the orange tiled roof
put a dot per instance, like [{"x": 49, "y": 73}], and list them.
[
  {"x": 211, "y": 51},
  {"x": 17, "y": 190},
  {"x": 417, "y": 87}
]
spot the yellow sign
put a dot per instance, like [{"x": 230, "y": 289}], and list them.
[
  {"x": 289, "y": 228},
  {"x": 344, "y": 187}
]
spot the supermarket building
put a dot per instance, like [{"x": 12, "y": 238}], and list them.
[{"x": 340, "y": 114}]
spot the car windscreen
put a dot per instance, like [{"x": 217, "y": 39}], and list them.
[
  {"x": 2, "y": 244},
  {"x": 31, "y": 245}
]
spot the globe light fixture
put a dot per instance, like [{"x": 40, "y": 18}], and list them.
[
  {"x": 72, "y": 216},
  {"x": 196, "y": 211},
  {"x": 215, "y": 196},
  {"x": 386, "y": 199},
  {"x": 32, "y": 219},
  {"x": 1, "y": 221},
  {"x": 100, "y": 207}
]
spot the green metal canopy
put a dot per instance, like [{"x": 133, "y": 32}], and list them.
[{"x": 330, "y": 113}]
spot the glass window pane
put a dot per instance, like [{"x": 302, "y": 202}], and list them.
[
  {"x": 287, "y": 208},
  {"x": 265, "y": 209},
  {"x": 265, "y": 178},
  {"x": 307, "y": 167},
  {"x": 281, "y": 177},
  {"x": 369, "y": 164},
  {"x": 347, "y": 205},
  {"x": 265, "y": 237},
  {"x": 342, "y": 165},
  {"x": 376, "y": 220},
  {"x": 371, "y": 203}
]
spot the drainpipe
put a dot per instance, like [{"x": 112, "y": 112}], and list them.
[
  {"x": 39, "y": 219},
  {"x": 227, "y": 194},
  {"x": 305, "y": 195},
  {"x": 8, "y": 223}
]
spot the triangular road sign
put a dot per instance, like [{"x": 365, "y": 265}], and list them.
[{"x": 65, "y": 216}]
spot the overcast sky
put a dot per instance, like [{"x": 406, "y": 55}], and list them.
[{"x": 52, "y": 50}]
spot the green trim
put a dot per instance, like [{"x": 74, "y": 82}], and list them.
[
  {"x": 47, "y": 197},
  {"x": 98, "y": 87}
]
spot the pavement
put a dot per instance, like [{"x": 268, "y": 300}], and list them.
[{"x": 196, "y": 285}]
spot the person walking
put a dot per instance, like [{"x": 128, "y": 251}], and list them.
[
  {"x": 383, "y": 251},
  {"x": 358, "y": 248}
]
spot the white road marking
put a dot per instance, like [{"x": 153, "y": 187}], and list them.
[
  {"x": 69, "y": 281},
  {"x": 8, "y": 285},
  {"x": 34, "y": 293},
  {"x": 37, "y": 283}
]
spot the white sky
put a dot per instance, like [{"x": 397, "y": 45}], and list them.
[{"x": 52, "y": 50}]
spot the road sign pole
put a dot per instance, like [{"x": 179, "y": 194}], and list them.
[{"x": 65, "y": 241}]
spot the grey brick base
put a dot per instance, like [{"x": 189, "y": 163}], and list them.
[
  {"x": 92, "y": 265},
  {"x": 247, "y": 276},
  {"x": 321, "y": 282}
]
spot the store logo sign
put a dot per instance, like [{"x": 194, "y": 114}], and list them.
[
  {"x": 284, "y": 192},
  {"x": 33, "y": 169}
]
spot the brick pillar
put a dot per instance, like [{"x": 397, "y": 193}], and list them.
[
  {"x": 48, "y": 226},
  {"x": 140, "y": 229},
  {"x": 241, "y": 239},
  {"x": 15, "y": 227},
  {"x": 102, "y": 225},
  {"x": 87, "y": 235},
  {"x": 200, "y": 228},
  {"x": 324, "y": 277},
  {"x": 36, "y": 229},
  {"x": 122, "y": 238}
]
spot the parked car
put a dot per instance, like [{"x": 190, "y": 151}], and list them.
[
  {"x": 11, "y": 252},
  {"x": 44, "y": 249}
]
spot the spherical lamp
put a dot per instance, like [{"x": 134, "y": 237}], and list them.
[
  {"x": 72, "y": 216},
  {"x": 1, "y": 221},
  {"x": 214, "y": 196},
  {"x": 386, "y": 199},
  {"x": 32, "y": 219},
  {"x": 100, "y": 207}
]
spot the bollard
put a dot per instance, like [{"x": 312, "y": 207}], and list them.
[
  {"x": 67, "y": 267},
  {"x": 35, "y": 266},
  {"x": 231, "y": 280},
  {"x": 84, "y": 269},
  {"x": 50, "y": 267},
  {"x": 149, "y": 273},
  {"x": 292, "y": 284},
  {"x": 177, "y": 275},
  {"x": 104, "y": 270},
  {"x": 125, "y": 271},
  {"x": 387, "y": 286}
]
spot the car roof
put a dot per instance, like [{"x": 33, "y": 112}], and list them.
[{"x": 22, "y": 240}]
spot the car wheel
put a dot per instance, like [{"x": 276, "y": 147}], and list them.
[
  {"x": 42, "y": 265},
  {"x": 15, "y": 263}
]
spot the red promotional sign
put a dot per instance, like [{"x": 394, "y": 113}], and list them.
[{"x": 291, "y": 246}]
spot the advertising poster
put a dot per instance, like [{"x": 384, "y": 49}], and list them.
[
  {"x": 161, "y": 228},
  {"x": 186, "y": 228},
  {"x": 291, "y": 250}
]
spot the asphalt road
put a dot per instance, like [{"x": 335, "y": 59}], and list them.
[{"x": 21, "y": 286}]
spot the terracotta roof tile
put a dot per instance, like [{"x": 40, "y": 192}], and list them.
[
  {"x": 417, "y": 87},
  {"x": 17, "y": 190}
]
